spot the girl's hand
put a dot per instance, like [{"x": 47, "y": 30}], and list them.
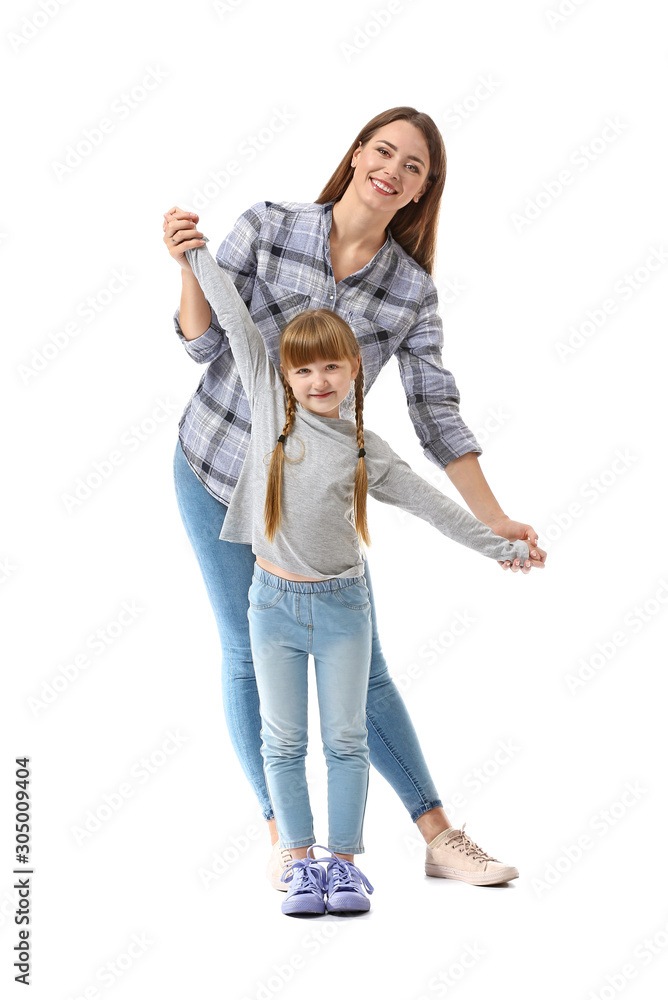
[
  {"x": 181, "y": 234},
  {"x": 514, "y": 530},
  {"x": 536, "y": 558}
]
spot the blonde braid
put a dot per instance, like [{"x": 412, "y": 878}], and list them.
[
  {"x": 361, "y": 479},
  {"x": 272, "y": 503}
]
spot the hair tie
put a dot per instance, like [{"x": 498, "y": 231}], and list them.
[
  {"x": 281, "y": 437},
  {"x": 361, "y": 453}
]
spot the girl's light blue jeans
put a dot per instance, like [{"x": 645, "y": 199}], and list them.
[
  {"x": 331, "y": 620},
  {"x": 227, "y": 568}
]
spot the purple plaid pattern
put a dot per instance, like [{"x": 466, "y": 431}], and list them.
[{"x": 278, "y": 257}]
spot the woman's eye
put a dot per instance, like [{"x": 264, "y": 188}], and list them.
[{"x": 413, "y": 167}]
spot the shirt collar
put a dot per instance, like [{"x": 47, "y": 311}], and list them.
[
  {"x": 336, "y": 424},
  {"x": 326, "y": 222}
]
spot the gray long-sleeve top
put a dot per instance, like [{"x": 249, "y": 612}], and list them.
[{"x": 317, "y": 536}]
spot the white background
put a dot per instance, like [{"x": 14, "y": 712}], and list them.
[{"x": 520, "y": 95}]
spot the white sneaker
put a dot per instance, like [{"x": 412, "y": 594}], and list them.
[
  {"x": 278, "y": 862},
  {"x": 452, "y": 854}
]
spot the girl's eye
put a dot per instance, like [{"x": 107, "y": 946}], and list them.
[{"x": 301, "y": 371}]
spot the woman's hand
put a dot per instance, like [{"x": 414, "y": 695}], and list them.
[
  {"x": 514, "y": 530},
  {"x": 181, "y": 234},
  {"x": 536, "y": 558}
]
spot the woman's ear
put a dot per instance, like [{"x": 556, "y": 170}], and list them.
[{"x": 423, "y": 190}]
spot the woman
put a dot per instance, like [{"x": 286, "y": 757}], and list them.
[{"x": 366, "y": 250}]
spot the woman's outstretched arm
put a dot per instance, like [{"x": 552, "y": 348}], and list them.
[
  {"x": 433, "y": 404},
  {"x": 468, "y": 478}
]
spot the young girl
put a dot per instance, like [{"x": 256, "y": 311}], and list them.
[{"x": 301, "y": 503}]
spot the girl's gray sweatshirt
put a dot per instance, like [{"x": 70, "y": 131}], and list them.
[{"x": 317, "y": 536}]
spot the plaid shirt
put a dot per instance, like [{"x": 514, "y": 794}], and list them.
[{"x": 279, "y": 259}]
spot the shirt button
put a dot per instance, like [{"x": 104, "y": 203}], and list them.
[{"x": 331, "y": 296}]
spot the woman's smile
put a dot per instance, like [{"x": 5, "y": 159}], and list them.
[{"x": 382, "y": 187}]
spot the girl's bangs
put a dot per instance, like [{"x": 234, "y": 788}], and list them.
[{"x": 317, "y": 335}]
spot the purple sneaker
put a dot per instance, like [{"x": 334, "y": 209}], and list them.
[
  {"x": 345, "y": 885},
  {"x": 306, "y": 887}
]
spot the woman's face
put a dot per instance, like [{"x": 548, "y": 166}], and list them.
[{"x": 392, "y": 168}]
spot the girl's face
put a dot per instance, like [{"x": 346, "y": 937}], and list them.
[
  {"x": 392, "y": 168},
  {"x": 322, "y": 385}
]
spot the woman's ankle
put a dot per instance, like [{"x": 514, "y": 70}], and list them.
[{"x": 432, "y": 822}]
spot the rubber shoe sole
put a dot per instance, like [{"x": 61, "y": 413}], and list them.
[
  {"x": 483, "y": 878},
  {"x": 348, "y": 902},
  {"x": 302, "y": 903}
]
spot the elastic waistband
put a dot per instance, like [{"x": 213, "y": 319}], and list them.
[{"x": 304, "y": 586}]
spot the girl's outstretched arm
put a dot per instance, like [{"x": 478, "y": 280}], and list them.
[
  {"x": 250, "y": 354},
  {"x": 391, "y": 480}
]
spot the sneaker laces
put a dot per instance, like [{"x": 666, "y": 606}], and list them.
[
  {"x": 343, "y": 874},
  {"x": 286, "y": 856},
  {"x": 306, "y": 874},
  {"x": 470, "y": 846}
]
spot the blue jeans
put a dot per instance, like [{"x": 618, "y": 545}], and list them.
[
  {"x": 227, "y": 568},
  {"x": 330, "y": 619}
]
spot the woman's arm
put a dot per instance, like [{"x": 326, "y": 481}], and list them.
[
  {"x": 194, "y": 315},
  {"x": 431, "y": 392},
  {"x": 433, "y": 403},
  {"x": 467, "y": 476}
]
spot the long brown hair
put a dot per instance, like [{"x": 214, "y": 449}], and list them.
[
  {"x": 312, "y": 335},
  {"x": 415, "y": 226}
]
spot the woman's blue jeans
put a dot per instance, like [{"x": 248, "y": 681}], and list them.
[
  {"x": 227, "y": 568},
  {"x": 330, "y": 620}
]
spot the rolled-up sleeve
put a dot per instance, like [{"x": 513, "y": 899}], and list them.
[
  {"x": 431, "y": 391},
  {"x": 238, "y": 255}
]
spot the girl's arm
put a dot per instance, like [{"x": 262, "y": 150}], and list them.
[
  {"x": 237, "y": 254},
  {"x": 250, "y": 354},
  {"x": 399, "y": 485}
]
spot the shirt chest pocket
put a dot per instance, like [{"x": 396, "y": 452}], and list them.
[
  {"x": 375, "y": 345},
  {"x": 272, "y": 308}
]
